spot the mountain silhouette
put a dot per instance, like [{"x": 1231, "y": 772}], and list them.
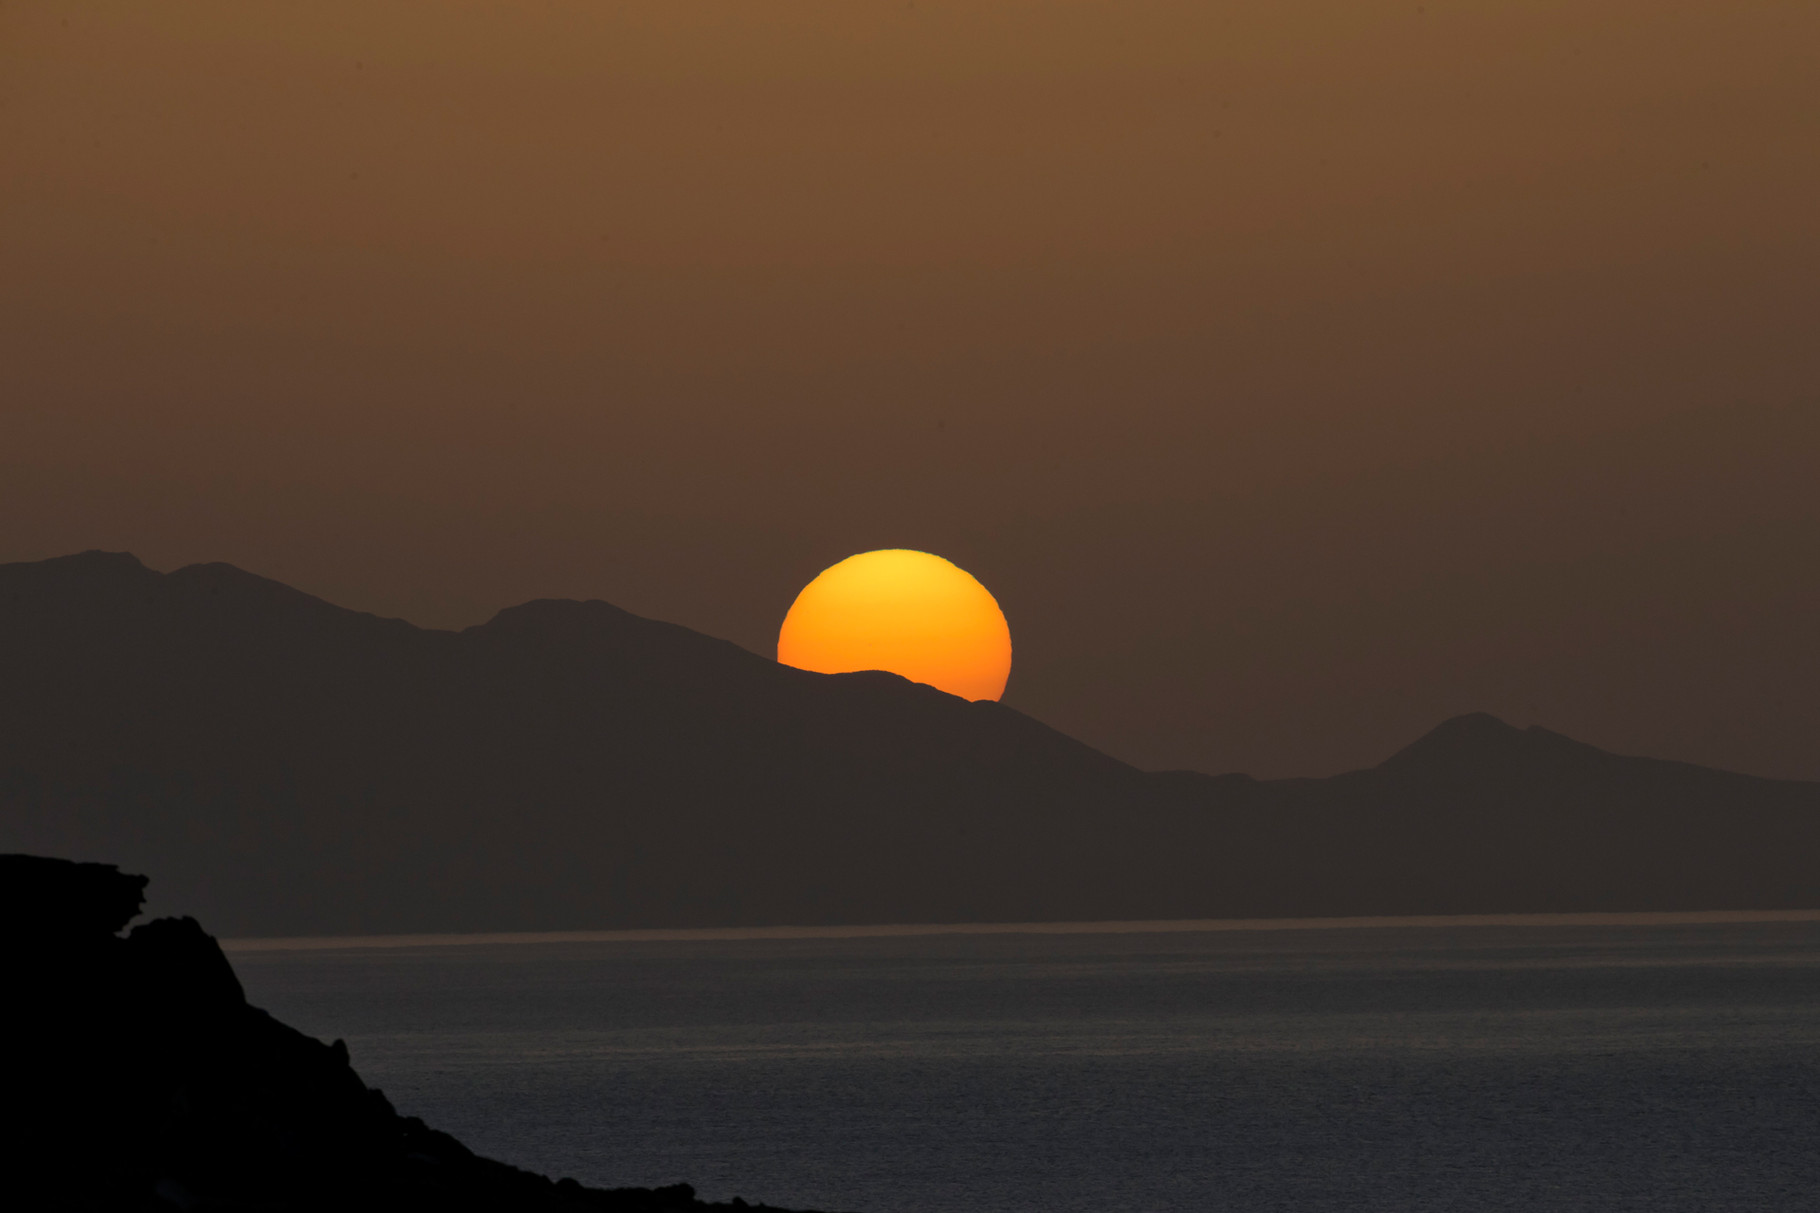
[{"x": 291, "y": 767}]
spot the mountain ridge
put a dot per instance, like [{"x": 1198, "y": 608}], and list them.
[{"x": 294, "y": 767}]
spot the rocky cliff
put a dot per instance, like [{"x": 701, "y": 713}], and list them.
[{"x": 140, "y": 1079}]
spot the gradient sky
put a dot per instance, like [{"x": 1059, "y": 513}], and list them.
[{"x": 1296, "y": 373}]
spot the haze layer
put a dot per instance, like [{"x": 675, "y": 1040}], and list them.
[{"x": 1297, "y": 374}]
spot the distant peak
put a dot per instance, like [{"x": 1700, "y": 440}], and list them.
[
  {"x": 1472, "y": 726},
  {"x": 82, "y": 572},
  {"x": 595, "y": 621},
  {"x": 102, "y": 556},
  {"x": 1481, "y": 739},
  {"x": 543, "y": 610},
  {"x": 93, "y": 559}
]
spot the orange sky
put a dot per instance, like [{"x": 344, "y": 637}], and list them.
[{"x": 1294, "y": 373}]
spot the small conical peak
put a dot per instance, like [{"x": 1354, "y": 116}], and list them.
[
  {"x": 544, "y": 613},
  {"x": 99, "y": 558},
  {"x": 1474, "y": 728},
  {"x": 1481, "y": 741}
]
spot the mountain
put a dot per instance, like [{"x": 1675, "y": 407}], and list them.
[
  {"x": 290, "y": 767},
  {"x": 141, "y": 1079}
]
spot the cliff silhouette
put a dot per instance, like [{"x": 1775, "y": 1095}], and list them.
[
  {"x": 140, "y": 1079},
  {"x": 291, "y": 767}
]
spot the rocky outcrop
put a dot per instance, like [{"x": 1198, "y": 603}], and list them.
[{"x": 138, "y": 1078}]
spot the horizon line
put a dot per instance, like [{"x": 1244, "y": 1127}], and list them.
[{"x": 1164, "y": 926}]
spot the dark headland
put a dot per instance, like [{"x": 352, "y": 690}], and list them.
[
  {"x": 140, "y": 1079},
  {"x": 289, "y": 767}
]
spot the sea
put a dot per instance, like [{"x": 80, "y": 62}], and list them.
[{"x": 1570, "y": 1063}]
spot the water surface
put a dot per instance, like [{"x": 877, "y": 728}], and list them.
[{"x": 1660, "y": 1066}]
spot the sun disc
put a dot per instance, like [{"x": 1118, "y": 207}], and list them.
[{"x": 904, "y": 611}]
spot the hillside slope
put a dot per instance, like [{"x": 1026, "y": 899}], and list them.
[{"x": 288, "y": 766}]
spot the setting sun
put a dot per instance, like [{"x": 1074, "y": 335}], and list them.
[{"x": 907, "y": 612}]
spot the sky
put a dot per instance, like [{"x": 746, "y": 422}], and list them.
[{"x": 1296, "y": 373}]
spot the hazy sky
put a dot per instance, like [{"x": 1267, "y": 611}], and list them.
[{"x": 1296, "y": 373}]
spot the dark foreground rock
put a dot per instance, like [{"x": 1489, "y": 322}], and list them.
[{"x": 138, "y": 1078}]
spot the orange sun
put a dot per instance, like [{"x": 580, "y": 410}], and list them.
[{"x": 907, "y": 612}]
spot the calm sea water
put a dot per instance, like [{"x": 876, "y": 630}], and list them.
[{"x": 1472, "y": 1068}]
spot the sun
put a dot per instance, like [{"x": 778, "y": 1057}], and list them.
[{"x": 907, "y": 612}]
